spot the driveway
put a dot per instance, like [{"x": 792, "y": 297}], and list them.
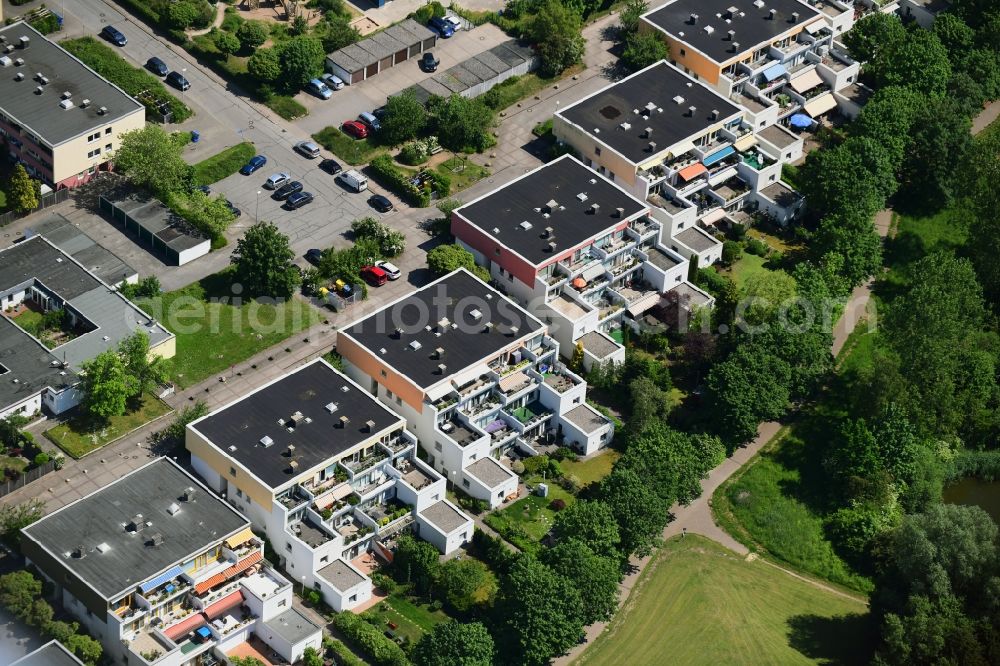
[{"x": 348, "y": 102}]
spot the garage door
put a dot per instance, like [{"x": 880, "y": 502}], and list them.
[
  {"x": 429, "y": 43},
  {"x": 385, "y": 63},
  {"x": 414, "y": 50},
  {"x": 371, "y": 70},
  {"x": 358, "y": 76},
  {"x": 400, "y": 56}
]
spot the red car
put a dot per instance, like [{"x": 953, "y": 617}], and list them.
[
  {"x": 374, "y": 275},
  {"x": 355, "y": 129}
]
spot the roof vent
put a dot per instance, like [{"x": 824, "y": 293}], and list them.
[
  {"x": 732, "y": 35},
  {"x": 44, "y": 80},
  {"x": 625, "y": 126},
  {"x": 345, "y": 388},
  {"x": 582, "y": 196},
  {"x": 189, "y": 494},
  {"x": 173, "y": 509},
  {"x": 39, "y": 90},
  {"x": 297, "y": 418},
  {"x": 715, "y": 114},
  {"x": 344, "y": 421},
  {"x": 9, "y": 48},
  {"x": 293, "y": 465},
  {"x": 619, "y": 213},
  {"x": 488, "y": 327},
  {"x": 290, "y": 451},
  {"x": 551, "y": 206},
  {"x": 759, "y": 4},
  {"x": 693, "y": 20},
  {"x": 442, "y": 368},
  {"x": 18, "y": 61},
  {"x": 415, "y": 345},
  {"x": 795, "y": 18},
  {"x": 19, "y": 76},
  {"x": 136, "y": 524},
  {"x": 25, "y": 41},
  {"x": 594, "y": 207},
  {"x": 79, "y": 552},
  {"x": 476, "y": 314},
  {"x": 525, "y": 225},
  {"x": 66, "y": 94},
  {"x": 103, "y": 547},
  {"x": 66, "y": 104},
  {"x": 648, "y": 132},
  {"x": 331, "y": 407},
  {"x": 692, "y": 109},
  {"x": 709, "y": 30},
  {"x": 736, "y": 47},
  {"x": 84, "y": 103},
  {"x": 551, "y": 246},
  {"x": 5, "y": 61},
  {"x": 439, "y": 352},
  {"x": 102, "y": 110},
  {"x": 370, "y": 425},
  {"x": 771, "y": 13},
  {"x": 156, "y": 540},
  {"x": 549, "y": 232},
  {"x": 678, "y": 100},
  {"x": 514, "y": 330},
  {"x": 266, "y": 441},
  {"x": 652, "y": 146}
]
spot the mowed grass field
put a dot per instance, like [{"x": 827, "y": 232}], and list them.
[{"x": 699, "y": 603}]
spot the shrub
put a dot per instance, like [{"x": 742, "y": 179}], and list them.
[
  {"x": 564, "y": 453},
  {"x": 391, "y": 243},
  {"x": 757, "y": 247},
  {"x": 370, "y": 639},
  {"x": 399, "y": 182},
  {"x": 223, "y": 164},
  {"x": 41, "y": 459},
  {"x": 557, "y": 504},
  {"x": 413, "y": 153},
  {"x": 732, "y": 251},
  {"x": 251, "y": 34}
]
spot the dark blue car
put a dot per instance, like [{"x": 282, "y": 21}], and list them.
[
  {"x": 114, "y": 35},
  {"x": 157, "y": 66},
  {"x": 442, "y": 27},
  {"x": 254, "y": 164}
]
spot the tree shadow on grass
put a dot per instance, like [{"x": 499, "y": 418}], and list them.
[{"x": 847, "y": 639}]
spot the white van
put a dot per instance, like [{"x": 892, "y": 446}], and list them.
[{"x": 355, "y": 180}]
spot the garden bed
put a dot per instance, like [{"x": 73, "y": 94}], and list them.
[{"x": 82, "y": 434}]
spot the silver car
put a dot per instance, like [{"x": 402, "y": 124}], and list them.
[
  {"x": 277, "y": 180},
  {"x": 308, "y": 149}
]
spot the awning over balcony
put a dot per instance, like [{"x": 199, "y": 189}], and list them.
[
  {"x": 234, "y": 570},
  {"x": 169, "y": 574},
  {"x": 681, "y": 148},
  {"x": 718, "y": 156},
  {"x": 745, "y": 142},
  {"x": 815, "y": 27},
  {"x": 184, "y": 626},
  {"x": 224, "y": 605},
  {"x": 693, "y": 171},
  {"x": 643, "y": 303},
  {"x": 820, "y": 105},
  {"x": 774, "y": 71},
  {"x": 593, "y": 272},
  {"x": 714, "y": 216},
  {"x": 806, "y": 81},
  {"x": 239, "y": 538},
  {"x": 470, "y": 375},
  {"x": 439, "y": 391}
]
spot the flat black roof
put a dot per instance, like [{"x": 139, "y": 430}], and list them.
[
  {"x": 657, "y": 98},
  {"x": 752, "y": 24},
  {"x": 35, "y": 259},
  {"x": 65, "y": 74},
  {"x": 573, "y": 188},
  {"x": 33, "y": 366},
  {"x": 116, "y": 559},
  {"x": 73, "y": 241},
  {"x": 459, "y": 313},
  {"x": 308, "y": 391}
]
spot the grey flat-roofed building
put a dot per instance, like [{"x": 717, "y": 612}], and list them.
[
  {"x": 476, "y": 75},
  {"x": 25, "y": 359},
  {"x": 696, "y": 239},
  {"x": 752, "y": 23},
  {"x": 658, "y": 98},
  {"x": 63, "y": 74},
  {"x": 573, "y": 188},
  {"x": 467, "y": 319},
  {"x": 586, "y": 418},
  {"x": 292, "y": 626},
  {"x": 51, "y": 654},
  {"x": 781, "y": 194},
  {"x": 489, "y": 471},
  {"x": 661, "y": 259},
  {"x": 341, "y": 575},
  {"x": 238, "y": 429},
  {"x": 69, "y": 238},
  {"x": 777, "y": 136},
  {"x": 445, "y": 517},
  {"x": 599, "y": 344},
  {"x": 168, "y": 235},
  {"x": 116, "y": 559},
  {"x": 395, "y": 44}
]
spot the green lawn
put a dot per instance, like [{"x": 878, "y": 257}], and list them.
[
  {"x": 80, "y": 435},
  {"x": 412, "y": 618},
  {"x": 917, "y": 236},
  {"x": 467, "y": 174},
  {"x": 351, "y": 150},
  {"x": 216, "y": 330},
  {"x": 527, "y": 520},
  {"x": 223, "y": 164},
  {"x": 748, "y": 266},
  {"x": 15, "y": 464},
  {"x": 698, "y": 603},
  {"x": 593, "y": 469}
]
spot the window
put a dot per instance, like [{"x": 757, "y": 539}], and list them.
[
  {"x": 353, "y": 597},
  {"x": 597, "y": 150},
  {"x": 399, "y": 401},
  {"x": 384, "y": 374},
  {"x": 677, "y": 278},
  {"x": 93, "y": 137},
  {"x": 283, "y": 602},
  {"x": 437, "y": 446},
  {"x": 107, "y": 131},
  {"x": 325, "y": 558},
  {"x": 232, "y": 471},
  {"x": 94, "y": 153},
  {"x": 788, "y": 156},
  {"x": 288, "y": 546},
  {"x": 91, "y": 171},
  {"x": 683, "y": 53},
  {"x": 107, "y": 148},
  {"x": 771, "y": 179},
  {"x": 465, "y": 483},
  {"x": 436, "y": 497},
  {"x": 497, "y": 252},
  {"x": 388, "y": 393},
  {"x": 239, "y": 493},
  {"x": 680, "y": 226}
]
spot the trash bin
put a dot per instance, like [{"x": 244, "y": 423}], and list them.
[{"x": 195, "y": 136}]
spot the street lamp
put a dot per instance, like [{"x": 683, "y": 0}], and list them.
[{"x": 257, "y": 214}]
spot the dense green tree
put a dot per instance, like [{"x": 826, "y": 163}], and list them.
[
  {"x": 595, "y": 576},
  {"x": 15, "y": 517},
  {"x": 872, "y": 34},
  {"x": 148, "y": 157},
  {"x": 983, "y": 173},
  {"x": 22, "y": 190},
  {"x": 444, "y": 259},
  {"x": 920, "y": 62},
  {"x": 463, "y": 124},
  {"x": 416, "y": 561},
  {"x": 763, "y": 295},
  {"x": 143, "y": 372},
  {"x": 265, "y": 65},
  {"x": 455, "y": 644},
  {"x": 555, "y": 31},
  {"x": 747, "y": 388},
  {"x": 954, "y": 34},
  {"x": 591, "y": 522},
  {"x": 301, "y": 59},
  {"x": 106, "y": 387},
  {"x": 649, "y": 404},
  {"x": 465, "y": 583},
  {"x": 182, "y": 14},
  {"x": 632, "y": 11},
  {"x": 336, "y": 32},
  {"x": 18, "y": 591},
  {"x": 226, "y": 42},
  {"x": 887, "y": 119},
  {"x": 263, "y": 260},
  {"x": 252, "y": 34},
  {"x": 852, "y": 179},
  {"x": 642, "y": 49},
  {"x": 641, "y": 512},
  {"x": 405, "y": 118},
  {"x": 670, "y": 462},
  {"x": 540, "y": 613},
  {"x": 86, "y": 649},
  {"x": 941, "y": 142},
  {"x": 851, "y": 243}
]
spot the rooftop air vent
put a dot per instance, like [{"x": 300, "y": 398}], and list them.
[
  {"x": 442, "y": 369},
  {"x": 715, "y": 114},
  {"x": 736, "y": 47},
  {"x": 136, "y": 524},
  {"x": 709, "y": 30},
  {"x": 693, "y": 20},
  {"x": 102, "y": 110},
  {"x": 625, "y": 126},
  {"x": 5, "y": 61},
  {"x": 84, "y": 103},
  {"x": 731, "y": 34},
  {"x": 79, "y": 552},
  {"x": 156, "y": 540},
  {"x": 331, "y": 407},
  {"x": 795, "y": 18},
  {"x": 44, "y": 80},
  {"x": 648, "y": 132},
  {"x": 549, "y": 232},
  {"x": 19, "y": 76},
  {"x": 25, "y": 41},
  {"x": 297, "y": 418},
  {"x": 66, "y": 94},
  {"x": 759, "y": 4},
  {"x": 345, "y": 388},
  {"x": 514, "y": 330},
  {"x": 771, "y": 13},
  {"x": 266, "y": 441},
  {"x": 103, "y": 547},
  {"x": 582, "y": 196},
  {"x": 594, "y": 207},
  {"x": 439, "y": 352},
  {"x": 173, "y": 509},
  {"x": 344, "y": 421},
  {"x": 551, "y": 246},
  {"x": 476, "y": 314},
  {"x": 290, "y": 451},
  {"x": 415, "y": 345},
  {"x": 189, "y": 494},
  {"x": 39, "y": 90},
  {"x": 692, "y": 109},
  {"x": 652, "y": 146},
  {"x": 370, "y": 425},
  {"x": 619, "y": 213},
  {"x": 525, "y": 225},
  {"x": 66, "y": 104},
  {"x": 678, "y": 100},
  {"x": 18, "y": 61}
]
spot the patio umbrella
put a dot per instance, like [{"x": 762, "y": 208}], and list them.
[
  {"x": 800, "y": 120},
  {"x": 579, "y": 283}
]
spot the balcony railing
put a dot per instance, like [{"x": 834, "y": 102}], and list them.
[{"x": 357, "y": 466}]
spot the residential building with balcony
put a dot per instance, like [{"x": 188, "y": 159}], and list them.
[
  {"x": 577, "y": 249},
  {"x": 771, "y": 53},
  {"x": 163, "y": 572},
  {"x": 58, "y": 117},
  {"x": 327, "y": 472},
  {"x": 38, "y": 278},
  {"x": 477, "y": 378}
]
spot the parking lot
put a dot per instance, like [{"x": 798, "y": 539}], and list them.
[{"x": 348, "y": 102}]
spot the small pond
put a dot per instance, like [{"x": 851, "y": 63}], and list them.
[{"x": 984, "y": 494}]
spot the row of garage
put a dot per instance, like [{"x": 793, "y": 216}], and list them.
[{"x": 385, "y": 49}]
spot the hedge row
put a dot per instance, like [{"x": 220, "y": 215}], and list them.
[
  {"x": 382, "y": 650},
  {"x": 223, "y": 164},
  {"x": 132, "y": 80},
  {"x": 397, "y": 180}
]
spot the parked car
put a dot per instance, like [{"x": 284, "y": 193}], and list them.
[
  {"x": 354, "y": 180},
  {"x": 456, "y": 22},
  {"x": 204, "y": 189},
  {"x": 380, "y": 113},
  {"x": 157, "y": 66},
  {"x": 298, "y": 200},
  {"x": 442, "y": 27},
  {"x": 380, "y": 203},
  {"x": 287, "y": 190},
  {"x": 177, "y": 80},
  {"x": 332, "y": 167},
  {"x": 355, "y": 129},
  {"x": 318, "y": 88},
  {"x": 374, "y": 275},
  {"x": 276, "y": 180},
  {"x": 314, "y": 256},
  {"x": 392, "y": 270},
  {"x": 308, "y": 149},
  {"x": 255, "y": 163},
  {"x": 370, "y": 121},
  {"x": 333, "y": 81},
  {"x": 233, "y": 209},
  {"x": 428, "y": 62},
  {"x": 114, "y": 35}
]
